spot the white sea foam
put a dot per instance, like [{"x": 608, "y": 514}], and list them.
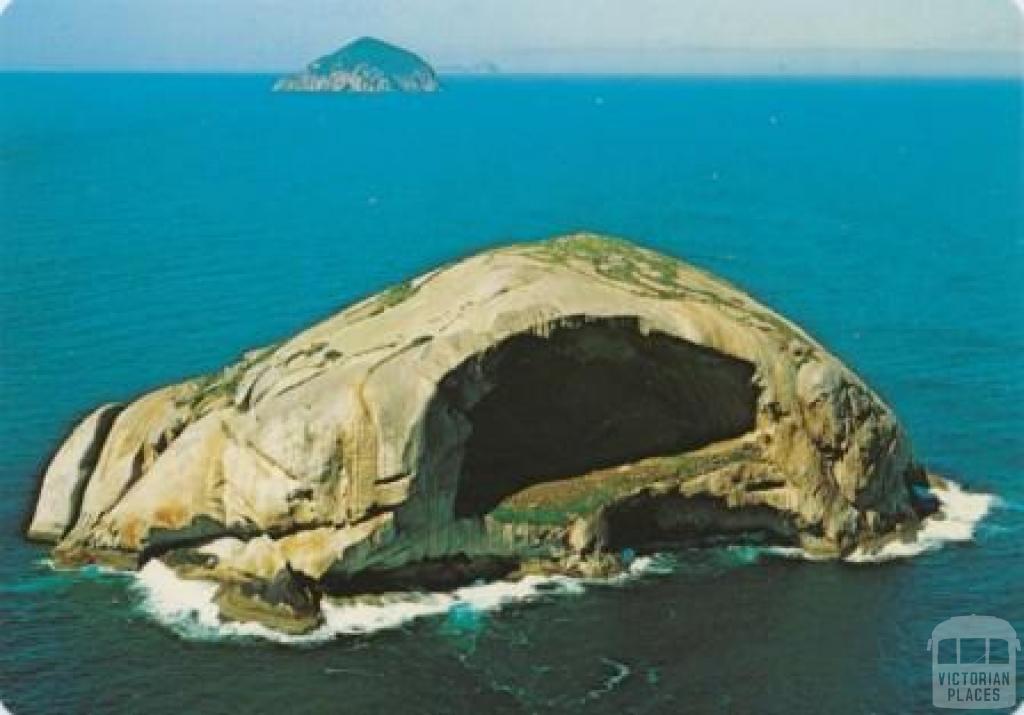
[
  {"x": 187, "y": 607},
  {"x": 653, "y": 565},
  {"x": 956, "y": 520},
  {"x": 87, "y": 570},
  {"x": 620, "y": 673},
  {"x": 794, "y": 552},
  {"x": 656, "y": 564}
]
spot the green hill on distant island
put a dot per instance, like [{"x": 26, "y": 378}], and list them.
[{"x": 364, "y": 65}]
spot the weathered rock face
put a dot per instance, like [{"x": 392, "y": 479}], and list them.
[
  {"x": 60, "y": 495},
  {"x": 365, "y": 65},
  {"x": 537, "y": 404}
]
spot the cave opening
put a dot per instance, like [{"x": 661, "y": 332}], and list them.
[{"x": 589, "y": 394}]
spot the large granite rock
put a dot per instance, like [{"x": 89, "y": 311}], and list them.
[
  {"x": 365, "y": 65},
  {"x": 536, "y": 406},
  {"x": 60, "y": 494}
]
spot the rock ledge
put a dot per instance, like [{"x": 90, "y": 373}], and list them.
[{"x": 535, "y": 407}]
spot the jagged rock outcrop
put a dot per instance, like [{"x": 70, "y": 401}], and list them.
[
  {"x": 60, "y": 494},
  {"x": 365, "y": 65},
  {"x": 535, "y": 406}
]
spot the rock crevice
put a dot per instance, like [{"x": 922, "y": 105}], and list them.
[{"x": 542, "y": 403}]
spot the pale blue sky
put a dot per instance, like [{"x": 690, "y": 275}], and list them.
[{"x": 955, "y": 36}]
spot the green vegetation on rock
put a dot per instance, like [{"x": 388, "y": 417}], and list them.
[{"x": 365, "y": 65}]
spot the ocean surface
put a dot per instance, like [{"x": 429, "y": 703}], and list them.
[{"x": 153, "y": 227}]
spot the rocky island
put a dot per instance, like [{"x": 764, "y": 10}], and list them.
[
  {"x": 544, "y": 407},
  {"x": 365, "y": 65}
]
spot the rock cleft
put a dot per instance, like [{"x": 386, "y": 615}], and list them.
[{"x": 540, "y": 406}]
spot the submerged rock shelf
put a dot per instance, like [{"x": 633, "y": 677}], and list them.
[{"x": 534, "y": 408}]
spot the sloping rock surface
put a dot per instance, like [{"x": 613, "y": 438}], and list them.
[
  {"x": 365, "y": 65},
  {"x": 538, "y": 403}
]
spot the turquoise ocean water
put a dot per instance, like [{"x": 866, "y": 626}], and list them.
[{"x": 153, "y": 227}]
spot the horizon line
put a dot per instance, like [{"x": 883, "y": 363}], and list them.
[{"x": 1016, "y": 73}]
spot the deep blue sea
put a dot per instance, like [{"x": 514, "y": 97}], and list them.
[{"x": 153, "y": 227}]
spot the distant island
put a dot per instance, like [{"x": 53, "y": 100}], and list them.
[
  {"x": 365, "y": 65},
  {"x": 484, "y": 67}
]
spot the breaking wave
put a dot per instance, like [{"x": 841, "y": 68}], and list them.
[
  {"x": 187, "y": 606},
  {"x": 955, "y": 521}
]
